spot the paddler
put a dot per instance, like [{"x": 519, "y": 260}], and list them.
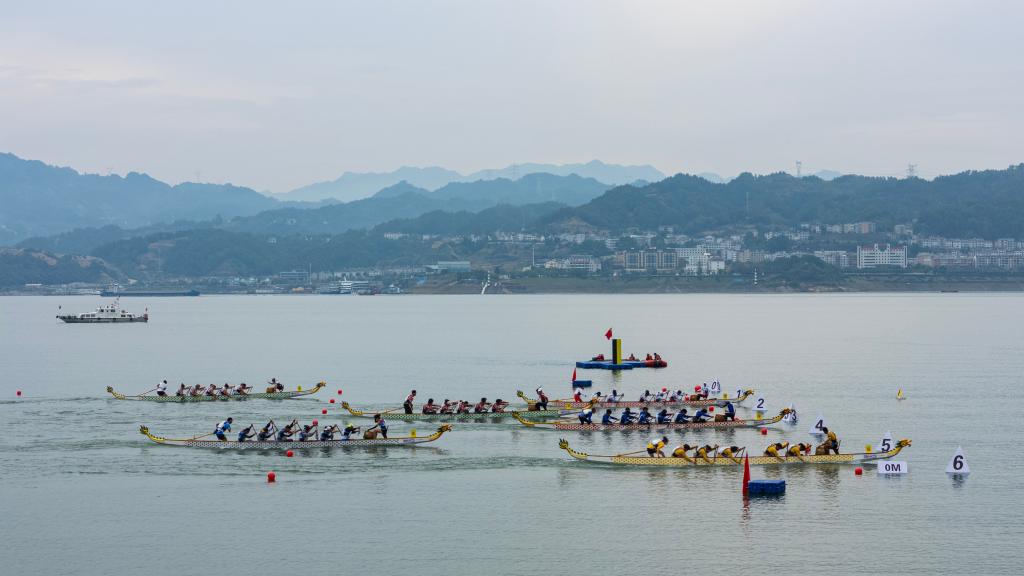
[
  {"x": 349, "y": 430},
  {"x": 586, "y": 415},
  {"x": 285, "y": 434},
  {"x": 378, "y": 424},
  {"x": 831, "y": 442},
  {"x": 463, "y": 407},
  {"x": 614, "y": 397},
  {"x": 706, "y": 449},
  {"x": 407, "y": 405},
  {"x": 680, "y": 451},
  {"x": 664, "y": 417},
  {"x": 701, "y": 416},
  {"x": 211, "y": 390},
  {"x": 608, "y": 418},
  {"x": 577, "y": 396},
  {"x": 777, "y": 450},
  {"x": 222, "y": 428},
  {"x": 161, "y": 388},
  {"x": 627, "y": 416},
  {"x": 659, "y": 396},
  {"x": 266, "y": 432},
  {"x": 681, "y": 417},
  {"x": 498, "y": 406},
  {"x": 644, "y": 417},
  {"x": 243, "y": 389},
  {"x": 675, "y": 396},
  {"x": 308, "y": 432},
  {"x": 446, "y": 407},
  {"x": 196, "y": 390},
  {"x": 430, "y": 407},
  {"x": 799, "y": 449},
  {"x": 226, "y": 390},
  {"x": 730, "y": 411},
  {"x": 655, "y": 447},
  {"x": 732, "y": 451},
  {"x": 542, "y": 399},
  {"x": 182, "y": 391},
  {"x": 328, "y": 432},
  {"x": 246, "y": 433},
  {"x": 481, "y": 406},
  {"x": 646, "y": 396}
]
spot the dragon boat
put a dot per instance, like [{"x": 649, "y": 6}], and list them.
[
  {"x": 200, "y": 442},
  {"x": 702, "y": 403},
  {"x": 284, "y": 395},
  {"x": 687, "y": 462},
  {"x": 452, "y": 417},
  {"x": 573, "y": 426}
]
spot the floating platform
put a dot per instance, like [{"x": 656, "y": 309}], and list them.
[
  {"x": 623, "y": 365},
  {"x": 766, "y": 487}
]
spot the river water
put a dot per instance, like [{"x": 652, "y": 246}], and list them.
[{"x": 82, "y": 492}]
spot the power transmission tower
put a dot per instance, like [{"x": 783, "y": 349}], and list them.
[
  {"x": 799, "y": 168},
  {"x": 911, "y": 170}
]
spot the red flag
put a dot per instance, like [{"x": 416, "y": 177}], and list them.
[
  {"x": 608, "y": 334},
  {"x": 573, "y": 374},
  {"x": 746, "y": 473}
]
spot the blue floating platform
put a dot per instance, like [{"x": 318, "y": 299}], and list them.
[
  {"x": 609, "y": 365},
  {"x": 582, "y": 383},
  {"x": 766, "y": 487}
]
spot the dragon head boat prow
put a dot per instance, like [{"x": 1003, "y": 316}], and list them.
[
  {"x": 522, "y": 420},
  {"x": 563, "y": 443}
]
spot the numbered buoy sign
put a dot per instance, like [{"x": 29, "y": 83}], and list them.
[
  {"x": 759, "y": 405},
  {"x": 790, "y": 418},
  {"x": 716, "y": 388},
  {"x": 958, "y": 465},
  {"x": 886, "y": 444},
  {"x": 819, "y": 423},
  {"x": 892, "y": 467}
]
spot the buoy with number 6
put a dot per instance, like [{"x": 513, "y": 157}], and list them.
[
  {"x": 958, "y": 464},
  {"x": 271, "y": 477}
]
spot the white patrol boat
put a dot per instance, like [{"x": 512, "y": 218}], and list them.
[{"x": 104, "y": 315}]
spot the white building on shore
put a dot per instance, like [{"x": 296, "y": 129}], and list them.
[{"x": 874, "y": 256}]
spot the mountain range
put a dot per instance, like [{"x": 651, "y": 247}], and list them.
[{"x": 357, "y": 185}]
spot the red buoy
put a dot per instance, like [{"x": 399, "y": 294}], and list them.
[
  {"x": 664, "y": 389},
  {"x": 314, "y": 422},
  {"x": 324, "y": 411},
  {"x": 764, "y": 431},
  {"x": 289, "y": 453},
  {"x": 696, "y": 388},
  {"x": 339, "y": 391},
  {"x": 332, "y": 400},
  {"x": 711, "y": 408},
  {"x": 271, "y": 477},
  {"x": 858, "y": 470},
  {"x": 19, "y": 392}
]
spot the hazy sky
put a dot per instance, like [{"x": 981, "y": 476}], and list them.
[{"x": 276, "y": 95}]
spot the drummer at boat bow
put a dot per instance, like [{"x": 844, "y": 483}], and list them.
[
  {"x": 222, "y": 429},
  {"x": 275, "y": 386},
  {"x": 542, "y": 399},
  {"x": 730, "y": 411},
  {"x": 831, "y": 443},
  {"x": 407, "y": 405}
]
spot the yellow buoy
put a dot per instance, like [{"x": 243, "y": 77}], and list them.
[
  {"x": 412, "y": 433},
  {"x": 867, "y": 448},
  {"x": 300, "y": 388}
]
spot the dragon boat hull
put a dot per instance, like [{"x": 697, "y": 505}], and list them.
[
  {"x": 471, "y": 417},
  {"x": 710, "y": 425},
  {"x": 720, "y": 461},
  {"x": 569, "y": 404},
  {"x": 204, "y": 398},
  {"x": 278, "y": 445}
]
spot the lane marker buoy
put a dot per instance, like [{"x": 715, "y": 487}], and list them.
[
  {"x": 271, "y": 477},
  {"x": 858, "y": 471},
  {"x": 324, "y": 411},
  {"x": 819, "y": 423},
  {"x": 958, "y": 464},
  {"x": 289, "y": 453},
  {"x": 886, "y": 444}
]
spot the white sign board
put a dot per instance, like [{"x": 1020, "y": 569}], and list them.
[
  {"x": 759, "y": 405},
  {"x": 958, "y": 465},
  {"x": 790, "y": 418},
  {"x": 716, "y": 388},
  {"x": 886, "y": 444},
  {"x": 819, "y": 423},
  {"x": 892, "y": 467}
]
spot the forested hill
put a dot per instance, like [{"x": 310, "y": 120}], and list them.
[{"x": 988, "y": 203}]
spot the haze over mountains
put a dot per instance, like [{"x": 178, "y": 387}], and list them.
[{"x": 354, "y": 185}]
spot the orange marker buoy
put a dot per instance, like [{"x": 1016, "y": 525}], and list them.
[
  {"x": 858, "y": 470},
  {"x": 271, "y": 477},
  {"x": 332, "y": 400},
  {"x": 289, "y": 453},
  {"x": 324, "y": 411},
  {"x": 764, "y": 431}
]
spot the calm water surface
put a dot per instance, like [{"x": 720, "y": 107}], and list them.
[{"x": 82, "y": 492}]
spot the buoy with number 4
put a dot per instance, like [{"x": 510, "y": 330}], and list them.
[
  {"x": 958, "y": 464},
  {"x": 819, "y": 423}
]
